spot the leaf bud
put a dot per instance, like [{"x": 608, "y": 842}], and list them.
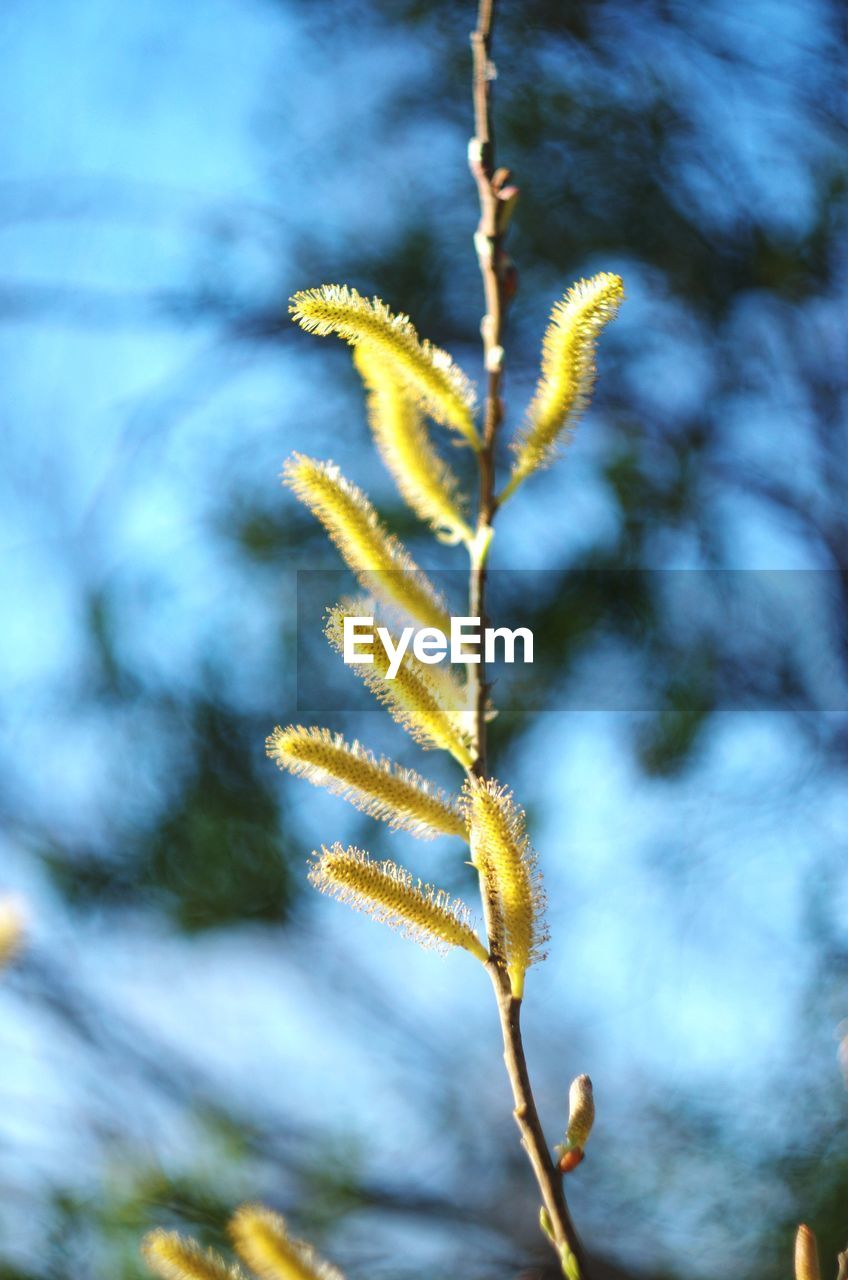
[
  {"x": 581, "y": 1111},
  {"x": 806, "y": 1255}
]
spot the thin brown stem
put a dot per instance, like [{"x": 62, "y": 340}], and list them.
[
  {"x": 533, "y": 1140},
  {"x": 488, "y": 243},
  {"x": 496, "y": 199}
]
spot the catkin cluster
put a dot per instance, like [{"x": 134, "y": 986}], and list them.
[{"x": 409, "y": 384}]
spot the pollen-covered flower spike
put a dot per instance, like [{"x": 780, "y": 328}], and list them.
[
  {"x": 501, "y": 852},
  {"x": 568, "y": 372},
  {"x": 428, "y": 372},
  {"x": 262, "y": 1240},
  {"x": 423, "y": 479},
  {"x": 174, "y": 1257},
  {"x": 806, "y": 1255},
  {"x": 384, "y": 790},
  {"x": 379, "y": 560},
  {"x": 431, "y": 707},
  {"x": 390, "y": 894}
]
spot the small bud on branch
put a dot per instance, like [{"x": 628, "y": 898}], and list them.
[
  {"x": 581, "y": 1111},
  {"x": 806, "y": 1255}
]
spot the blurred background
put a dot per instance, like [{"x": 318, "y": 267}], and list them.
[{"x": 191, "y": 1026}]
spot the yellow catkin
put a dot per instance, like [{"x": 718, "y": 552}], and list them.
[
  {"x": 500, "y": 850},
  {"x": 174, "y": 1257},
  {"x": 390, "y": 894},
  {"x": 12, "y": 931},
  {"x": 568, "y": 371},
  {"x": 262, "y": 1240},
  {"x": 429, "y": 373},
  {"x": 377, "y": 558},
  {"x": 581, "y": 1111},
  {"x": 806, "y": 1255},
  {"x": 432, "y": 709},
  {"x": 395, "y": 795},
  {"x": 424, "y": 480}
]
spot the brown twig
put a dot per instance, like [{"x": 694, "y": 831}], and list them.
[
  {"x": 497, "y": 197},
  {"x": 487, "y": 242}
]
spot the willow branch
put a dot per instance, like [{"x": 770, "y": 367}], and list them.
[
  {"x": 488, "y": 243},
  {"x": 496, "y": 200}
]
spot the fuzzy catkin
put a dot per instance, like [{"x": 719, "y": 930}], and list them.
[
  {"x": 429, "y": 373},
  {"x": 568, "y": 370},
  {"x": 377, "y": 557},
  {"x": 431, "y": 708},
  {"x": 263, "y": 1241},
  {"x": 398, "y": 796},
  {"x": 501, "y": 852},
  {"x": 174, "y": 1257},
  {"x": 424, "y": 480},
  {"x": 12, "y": 931},
  {"x": 390, "y": 894}
]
